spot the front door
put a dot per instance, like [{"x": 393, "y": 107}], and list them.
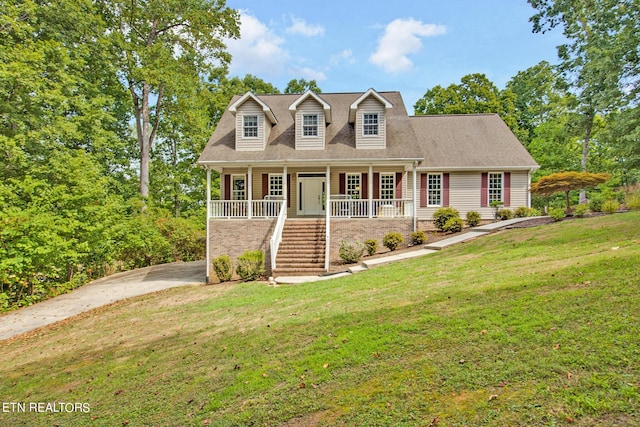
[{"x": 311, "y": 195}]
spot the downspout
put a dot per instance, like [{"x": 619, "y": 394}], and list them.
[
  {"x": 207, "y": 250},
  {"x": 327, "y": 207}
]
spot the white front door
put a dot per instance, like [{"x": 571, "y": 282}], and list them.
[{"x": 311, "y": 195}]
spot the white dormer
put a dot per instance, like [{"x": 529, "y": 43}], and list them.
[
  {"x": 368, "y": 114},
  {"x": 310, "y": 114},
  {"x": 254, "y": 120}
]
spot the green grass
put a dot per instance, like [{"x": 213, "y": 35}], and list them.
[{"x": 531, "y": 327}]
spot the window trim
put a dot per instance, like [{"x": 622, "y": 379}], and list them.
[
  {"x": 489, "y": 188},
  {"x": 365, "y": 124},
  {"x": 245, "y": 127},
  {"x": 271, "y": 188},
  {"x": 239, "y": 177},
  {"x": 439, "y": 190},
  {"x": 393, "y": 186},
  {"x": 315, "y": 126},
  {"x": 359, "y": 185}
]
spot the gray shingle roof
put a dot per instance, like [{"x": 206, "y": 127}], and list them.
[{"x": 455, "y": 141}]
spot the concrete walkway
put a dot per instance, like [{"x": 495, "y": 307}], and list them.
[
  {"x": 101, "y": 292},
  {"x": 151, "y": 279}
]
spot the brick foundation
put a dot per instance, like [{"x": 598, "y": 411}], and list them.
[{"x": 359, "y": 230}]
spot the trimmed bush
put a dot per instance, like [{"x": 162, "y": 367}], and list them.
[
  {"x": 223, "y": 268},
  {"x": 556, "y": 213},
  {"x": 351, "y": 252},
  {"x": 442, "y": 215},
  {"x": 453, "y": 225},
  {"x": 371, "y": 245},
  {"x": 595, "y": 203},
  {"x": 504, "y": 214},
  {"x": 392, "y": 240},
  {"x": 610, "y": 206},
  {"x": 473, "y": 218},
  {"x": 250, "y": 265},
  {"x": 581, "y": 210},
  {"x": 418, "y": 237}
]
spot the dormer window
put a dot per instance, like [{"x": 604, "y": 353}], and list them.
[
  {"x": 310, "y": 125},
  {"x": 370, "y": 124},
  {"x": 250, "y": 126}
]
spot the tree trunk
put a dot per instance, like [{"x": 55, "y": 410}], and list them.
[{"x": 585, "y": 151}]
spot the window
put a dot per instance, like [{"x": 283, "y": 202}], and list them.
[
  {"x": 495, "y": 187},
  {"x": 434, "y": 189},
  {"x": 353, "y": 185},
  {"x": 238, "y": 187},
  {"x": 275, "y": 185},
  {"x": 250, "y": 126},
  {"x": 387, "y": 186},
  {"x": 370, "y": 124},
  {"x": 310, "y": 125}
]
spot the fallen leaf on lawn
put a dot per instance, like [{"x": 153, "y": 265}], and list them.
[
  {"x": 433, "y": 422},
  {"x": 493, "y": 397},
  {"x": 556, "y": 347},
  {"x": 483, "y": 332},
  {"x": 325, "y": 366},
  {"x": 569, "y": 375},
  {"x": 615, "y": 248},
  {"x": 265, "y": 375},
  {"x": 302, "y": 385}
]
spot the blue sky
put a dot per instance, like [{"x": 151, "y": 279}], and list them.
[{"x": 404, "y": 45}]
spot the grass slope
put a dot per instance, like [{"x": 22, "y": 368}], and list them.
[{"x": 533, "y": 327}]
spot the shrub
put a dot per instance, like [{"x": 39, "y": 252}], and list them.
[
  {"x": 392, "y": 240},
  {"x": 633, "y": 202},
  {"x": 442, "y": 215},
  {"x": 581, "y": 210},
  {"x": 453, "y": 225},
  {"x": 595, "y": 203},
  {"x": 371, "y": 245},
  {"x": 504, "y": 214},
  {"x": 250, "y": 265},
  {"x": 610, "y": 206},
  {"x": 473, "y": 218},
  {"x": 418, "y": 237},
  {"x": 556, "y": 213},
  {"x": 223, "y": 268},
  {"x": 351, "y": 253}
]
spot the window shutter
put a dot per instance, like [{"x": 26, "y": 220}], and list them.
[
  {"x": 265, "y": 184},
  {"x": 288, "y": 190},
  {"x": 507, "y": 189},
  {"x": 445, "y": 189},
  {"x": 484, "y": 190},
  {"x": 227, "y": 187},
  {"x": 342, "y": 188},
  {"x": 364, "y": 186},
  {"x": 398, "y": 185},
  {"x": 423, "y": 190},
  {"x": 376, "y": 185}
]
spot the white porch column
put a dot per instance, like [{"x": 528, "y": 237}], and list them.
[
  {"x": 415, "y": 201},
  {"x": 370, "y": 191},
  {"x": 249, "y": 191},
  {"x": 207, "y": 257},
  {"x": 327, "y": 208},
  {"x": 285, "y": 187}
]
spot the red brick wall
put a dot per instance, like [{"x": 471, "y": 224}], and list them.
[{"x": 359, "y": 230}]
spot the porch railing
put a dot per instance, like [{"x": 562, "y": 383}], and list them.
[
  {"x": 276, "y": 238},
  {"x": 364, "y": 208},
  {"x": 245, "y": 209}
]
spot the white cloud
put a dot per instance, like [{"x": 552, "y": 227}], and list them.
[
  {"x": 402, "y": 37},
  {"x": 309, "y": 74},
  {"x": 300, "y": 26},
  {"x": 259, "y": 50},
  {"x": 346, "y": 56}
]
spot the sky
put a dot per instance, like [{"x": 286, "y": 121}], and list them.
[{"x": 408, "y": 46}]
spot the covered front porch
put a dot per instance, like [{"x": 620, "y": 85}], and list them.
[{"x": 344, "y": 197}]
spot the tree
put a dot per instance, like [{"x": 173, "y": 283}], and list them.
[
  {"x": 566, "y": 182},
  {"x": 600, "y": 59},
  {"x": 301, "y": 86},
  {"x": 158, "y": 44},
  {"x": 475, "y": 94}
]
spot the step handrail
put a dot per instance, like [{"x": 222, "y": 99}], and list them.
[{"x": 276, "y": 238}]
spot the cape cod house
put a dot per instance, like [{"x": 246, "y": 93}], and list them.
[{"x": 301, "y": 173}]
